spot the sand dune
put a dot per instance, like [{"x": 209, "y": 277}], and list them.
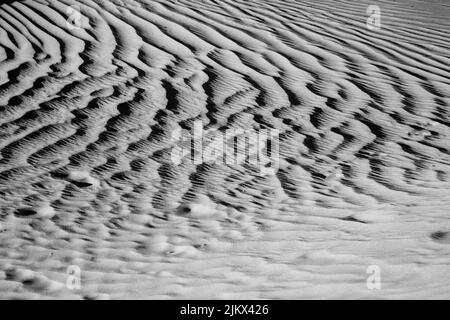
[{"x": 88, "y": 105}]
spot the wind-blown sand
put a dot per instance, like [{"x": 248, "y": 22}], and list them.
[{"x": 86, "y": 178}]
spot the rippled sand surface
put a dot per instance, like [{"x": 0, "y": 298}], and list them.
[{"x": 88, "y": 188}]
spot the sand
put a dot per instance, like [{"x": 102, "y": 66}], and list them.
[{"x": 92, "y": 207}]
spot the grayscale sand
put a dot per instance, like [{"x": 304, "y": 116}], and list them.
[{"x": 86, "y": 178}]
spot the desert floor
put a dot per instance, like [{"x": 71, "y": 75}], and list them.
[{"x": 91, "y": 92}]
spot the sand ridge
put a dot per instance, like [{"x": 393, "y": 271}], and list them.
[{"x": 86, "y": 178}]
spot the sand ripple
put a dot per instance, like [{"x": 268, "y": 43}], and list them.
[{"x": 86, "y": 179}]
